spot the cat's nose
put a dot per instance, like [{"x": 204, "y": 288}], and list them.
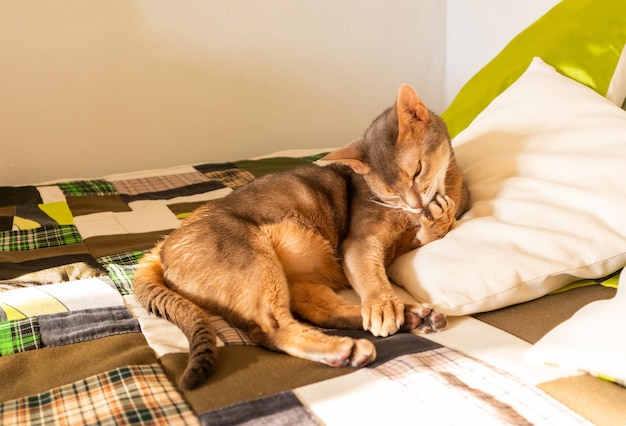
[{"x": 412, "y": 200}]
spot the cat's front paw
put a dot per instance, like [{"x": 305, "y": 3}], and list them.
[
  {"x": 384, "y": 317},
  {"x": 441, "y": 208},
  {"x": 437, "y": 219},
  {"x": 423, "y": 318}
]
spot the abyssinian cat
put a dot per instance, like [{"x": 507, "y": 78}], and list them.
[{"x": 274, "y": 252}]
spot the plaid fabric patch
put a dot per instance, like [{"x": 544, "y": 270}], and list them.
[
  {"x": 79, "y": 188},
  {"x": 232, "y": 178},
  {"x": 46, "y": 236},
  {"x": 474, "y": 388},
  {"x": 158, "y": 183},
  {"x": 19, "y": 336},
  {"x": 228, "y": 334},
  {"x": 122, "y": 277},
  {"x": 133, "y": 395},
  {"x": 121, "y": 269}
]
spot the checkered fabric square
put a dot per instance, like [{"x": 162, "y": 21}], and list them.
[
  {"x": 121, "y": 269},
  {"x": 475, "y": 387},
  {"x": 19, "y": 336},
  {"x": 43, "y": 237},
  {"x": 79, "y": 188},
  {"x": 132, "y": 395},
  {"x": 158, "y": 183},
  {"x": 232, "y": 178}
]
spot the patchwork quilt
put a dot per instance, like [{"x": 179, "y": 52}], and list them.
[{"x": 76, "y": 348}]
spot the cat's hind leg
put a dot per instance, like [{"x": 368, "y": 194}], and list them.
[
  {"x": 275, "y": 327},
  {"x": 303, "y": 341},
  {"x": 321, "y": 305}
]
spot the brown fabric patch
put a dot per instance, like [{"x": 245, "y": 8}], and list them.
[
  {"x": 530, "y": 321},
  {"x": 185, "y": 208},
  {"x": 42, "y": 253},
  {"x": 107, "y": 245},
  {"x": 33, "y": 372},
  {"x": 89, "y": 204},
  {"x": 599, "y": 401},
  {"x": 248, "y": 372}
]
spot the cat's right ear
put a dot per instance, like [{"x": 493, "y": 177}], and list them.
[
  {"x": 351, "y": 155},
  {"x": 410, "y": 110}
]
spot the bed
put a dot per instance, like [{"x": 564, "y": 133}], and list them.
[{"x": 530, "y": 276}]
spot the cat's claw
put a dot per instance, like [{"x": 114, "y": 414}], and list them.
[{"x": 423, "y": 318}]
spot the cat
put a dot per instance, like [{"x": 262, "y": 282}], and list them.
[{"x": 271, "y": 256}]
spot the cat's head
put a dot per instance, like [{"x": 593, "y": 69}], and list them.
[{"x": 403, "y": 155}]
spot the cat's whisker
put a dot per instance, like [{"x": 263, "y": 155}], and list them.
[{"x": 391, "y": 206}]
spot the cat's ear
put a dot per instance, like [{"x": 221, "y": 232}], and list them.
[
  {"x": 351, "y": 155},
  {"x": 410, "y": 110}
]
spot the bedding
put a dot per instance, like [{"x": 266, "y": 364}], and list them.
[
  {"x": 76, "y": 347},
  {"x": 79, "y": 349}
]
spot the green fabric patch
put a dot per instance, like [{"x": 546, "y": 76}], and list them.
[
  {"x": 59, "y": 212},
  {"x": 608, "y": 281},
  {"x": 121, "y": 269},
  {"x": 46, "y": 236},
  {"x": 80, "y": 188},
  {"x": 582, "y": 39},
  {"x": 19, "y": 336}
]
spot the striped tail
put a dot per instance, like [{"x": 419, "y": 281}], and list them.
[{"x": 152, "y": 292}]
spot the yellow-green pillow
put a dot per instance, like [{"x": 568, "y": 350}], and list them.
[{"x": 582, "y": 39}]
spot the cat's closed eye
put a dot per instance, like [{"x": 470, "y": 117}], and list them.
[{"x": 418, "y": 170}]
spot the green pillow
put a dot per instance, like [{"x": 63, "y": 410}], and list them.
[{"x": 582, "y": 39}]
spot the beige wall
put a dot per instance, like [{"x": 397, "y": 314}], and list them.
[{"x": 89, "y": 88}]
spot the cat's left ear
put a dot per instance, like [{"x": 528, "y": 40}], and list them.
[
  {"x": 410, "y": 110},
  {"x": 351, "y": 155}
]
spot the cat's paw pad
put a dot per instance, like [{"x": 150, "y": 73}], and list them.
[
  {"x": 440, "y": 206},
  {"x": 423, "y": 318}
]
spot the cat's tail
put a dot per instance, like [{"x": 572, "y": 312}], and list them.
[{"x": 154, "y": 294}]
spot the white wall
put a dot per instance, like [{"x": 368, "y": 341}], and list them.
[
  {"x": 476, "y": 30},
  {"x": 89, "y": 88}
]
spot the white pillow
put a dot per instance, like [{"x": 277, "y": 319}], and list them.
[{"x": 545, "y": 163}]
